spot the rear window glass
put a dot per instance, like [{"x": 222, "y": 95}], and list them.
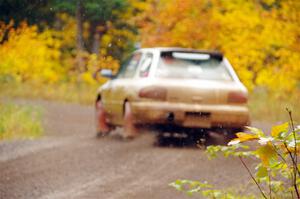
[{"x": 192, "y": 66}]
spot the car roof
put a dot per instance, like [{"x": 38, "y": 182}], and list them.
[{"x": 166, "y": 49}]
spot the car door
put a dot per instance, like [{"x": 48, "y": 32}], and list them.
[{"x": 121, "y": 85}]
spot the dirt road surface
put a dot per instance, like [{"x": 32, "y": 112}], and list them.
[{"x": 70, "y": 162}]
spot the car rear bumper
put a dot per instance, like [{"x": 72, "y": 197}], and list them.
[{"x": 191, "y": 115}]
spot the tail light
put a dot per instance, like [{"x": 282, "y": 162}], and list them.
[
  {"x": 237, "y": 97},
  {"x": 153, "y": 92}
]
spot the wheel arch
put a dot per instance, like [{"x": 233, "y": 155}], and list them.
[
  {"x": 124, "y": 102},
  {"x": 98, "y": 98}
]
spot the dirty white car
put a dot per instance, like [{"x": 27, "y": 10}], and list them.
[{"x": 172, "y": 86}]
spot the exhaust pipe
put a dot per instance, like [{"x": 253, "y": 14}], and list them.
[{"x": 170, "y": 117}]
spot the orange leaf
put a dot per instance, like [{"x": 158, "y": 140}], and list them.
[{"x": 246, "y": 137}]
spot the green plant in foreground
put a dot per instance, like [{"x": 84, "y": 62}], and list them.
[
  {"x": 19, "y": 122},
  {"x": 277, "y": 173}
]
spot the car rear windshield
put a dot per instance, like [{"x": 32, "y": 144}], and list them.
[{"x": 190, "y": 65}]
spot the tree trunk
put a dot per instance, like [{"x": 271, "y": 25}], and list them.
[
  {"x": 97, "y": 33},
  {"x": 96, "y": 43},
  {"x": 79, "y": 36}
]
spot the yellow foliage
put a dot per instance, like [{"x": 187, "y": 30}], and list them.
[
  {"x": 28, "y": 55},
  {"x": 45, "y": 57},
  {"x": 94, "y": 64},
  {"x": 276, "y": 130},
  {"x": 266, "y": 153},
  {"x": 243, "y": 137},
  {"x": 260, "y": 38},
  {"x": 68, "y": 33},
  {"x": 246, "y": 136},
  {"x": 87, "y": 78}
]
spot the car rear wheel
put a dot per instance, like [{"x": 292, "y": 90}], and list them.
[
  {"x": 101, "y": 123},
  {"x": 130, "y": 129}
]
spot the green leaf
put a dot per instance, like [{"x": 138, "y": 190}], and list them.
[
  {"x": 256, "y": 131},
  {"x": 262, "y": 171}
]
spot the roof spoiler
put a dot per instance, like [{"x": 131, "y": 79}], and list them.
[{"x": 214, "y": 54}]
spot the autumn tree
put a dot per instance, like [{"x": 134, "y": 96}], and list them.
[{"x": 259, "y": 37}]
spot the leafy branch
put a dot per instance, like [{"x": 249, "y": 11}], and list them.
[{"x": 277, "y": 173}]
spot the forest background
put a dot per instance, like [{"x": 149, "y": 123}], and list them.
[{"x": 55, "y": 49}]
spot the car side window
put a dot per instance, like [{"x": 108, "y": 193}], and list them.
[
  {"x": 129, "y": 68},
  {"x": 145, "y": 65}
]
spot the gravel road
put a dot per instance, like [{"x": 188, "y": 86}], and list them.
[{"x": 70, "y": 162}]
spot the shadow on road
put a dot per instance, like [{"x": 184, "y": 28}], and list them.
[
  {"x": 180, "y": 137},
  {"x": 193, "y": 140}
]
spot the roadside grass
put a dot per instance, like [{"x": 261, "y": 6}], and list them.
[
  {"x": 263, "y": 106},
  {"x": 66, "y": 92},
  {"x": 20, "y": 122},
  {"x": 272, "y": 107}
]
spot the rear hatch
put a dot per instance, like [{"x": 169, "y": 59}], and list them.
[
  {"x": 195, "y": 77},
  {"x": 197, "y": 91}
]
